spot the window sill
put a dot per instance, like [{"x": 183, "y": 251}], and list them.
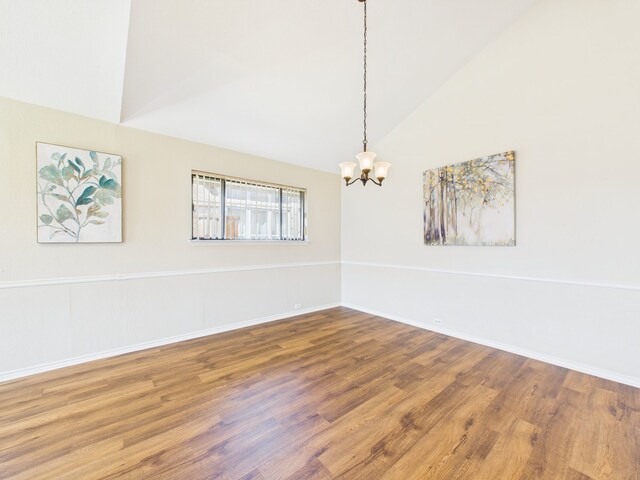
[{"x": 253, "y": 243}]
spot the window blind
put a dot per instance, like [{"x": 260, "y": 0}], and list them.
[
  {"x": 252, "y": 211},
  {"x": 238, "y": 209},
  {"x": 207, "y": 207},
  {"x": 292, "y": 214}
]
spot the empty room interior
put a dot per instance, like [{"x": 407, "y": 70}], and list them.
[{"x": 337, "y": 239}]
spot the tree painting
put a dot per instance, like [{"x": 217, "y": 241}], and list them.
[
  {"x": 471, "y": 203},
  {"x": 79, "y": 195}
]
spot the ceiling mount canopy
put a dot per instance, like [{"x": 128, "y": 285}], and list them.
[{"x": 366, "y": 159}]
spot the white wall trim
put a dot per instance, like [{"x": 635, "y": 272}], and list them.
[
  {"x": 578, "y": 367},
  {"x": 619, "y": 286},
  {"x": 204, "y": 271},
  {"x": 24, "y": 372},
  {"x": 141, "y": 276}
]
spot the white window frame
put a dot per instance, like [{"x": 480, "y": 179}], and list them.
[{"x": 223, "y": 179}]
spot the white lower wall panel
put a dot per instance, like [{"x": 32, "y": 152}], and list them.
[
  {"x": 34, "y": 326},
  {"x": 49, "y": 326},
  {"x": 587, "y": 328},
  {"x": 238, "y": 297},
  {"x": 162, "y": 307},
  {"x": 96, "y": 321}
]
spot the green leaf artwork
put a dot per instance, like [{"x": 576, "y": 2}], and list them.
[
  {"x": 63, "y": 214},
  {"x": 79, "y": 195},
  {"x": 67, "y": 173},
  {"x": 74, "y": 166},
  {"x": 51, "y": 174}
]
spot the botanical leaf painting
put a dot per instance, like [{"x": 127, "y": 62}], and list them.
[
  {"x": 79, "y": 195},
  {"x": 471, "y": 203}
]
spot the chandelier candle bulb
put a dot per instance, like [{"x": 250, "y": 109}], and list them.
[
  {"x": 347, "y": 170},
  {"x": 366, "y": 161},
  {"x": 381, "y": 169}
]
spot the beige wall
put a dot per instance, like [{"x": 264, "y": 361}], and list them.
[
  {"x": 561, "y": 87},
  {"x": 60, "y": 302},
  {"x": 157, "y": 199}
]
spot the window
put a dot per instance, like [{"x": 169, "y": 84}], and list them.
[{"x": 226, "y": 208}]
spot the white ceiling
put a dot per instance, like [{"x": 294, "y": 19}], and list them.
[
  {"x": 281, "y": 79},
  {"x": 65, "y": 54}
]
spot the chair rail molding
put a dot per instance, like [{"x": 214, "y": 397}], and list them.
[
  {"x": 618, "y": 286},
  {"x": 146, "y": 275}
]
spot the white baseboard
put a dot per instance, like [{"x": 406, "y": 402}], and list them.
[
  {"x": 46, "y": 367},
  {"x": 578, "y": 367}
]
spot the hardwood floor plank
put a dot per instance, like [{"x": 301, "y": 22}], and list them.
[
  {"x": 340, "y": 433},
  {"x": 434, "y": 454},
  {"x": 370, "y": 452},
  {"x": 337, "y": 394},
  {"x": 604, "y": 431}
]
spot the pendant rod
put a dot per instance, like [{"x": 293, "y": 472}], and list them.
[{"x": 364, "y": 140}]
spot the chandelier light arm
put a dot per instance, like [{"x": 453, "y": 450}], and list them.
[
  {"x": 364, "y": 178},
  {"x": 376, "y": 183}
]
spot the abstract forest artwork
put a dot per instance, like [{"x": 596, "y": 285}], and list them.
[
  {"x": 471, "y": 203},
  {"x": 79, "y": 195}
]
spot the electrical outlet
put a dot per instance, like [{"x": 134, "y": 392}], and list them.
[
  {"x": 297, "y": 306},
  {"x": 437, "y": 321}
]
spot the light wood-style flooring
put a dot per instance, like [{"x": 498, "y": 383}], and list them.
[{"x": 336, "y": 394}]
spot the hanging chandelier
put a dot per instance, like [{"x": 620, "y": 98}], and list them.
[{"x": 365, "y": 158}]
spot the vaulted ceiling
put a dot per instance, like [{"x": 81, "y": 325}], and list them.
[{"x": 277, "y": 78}]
